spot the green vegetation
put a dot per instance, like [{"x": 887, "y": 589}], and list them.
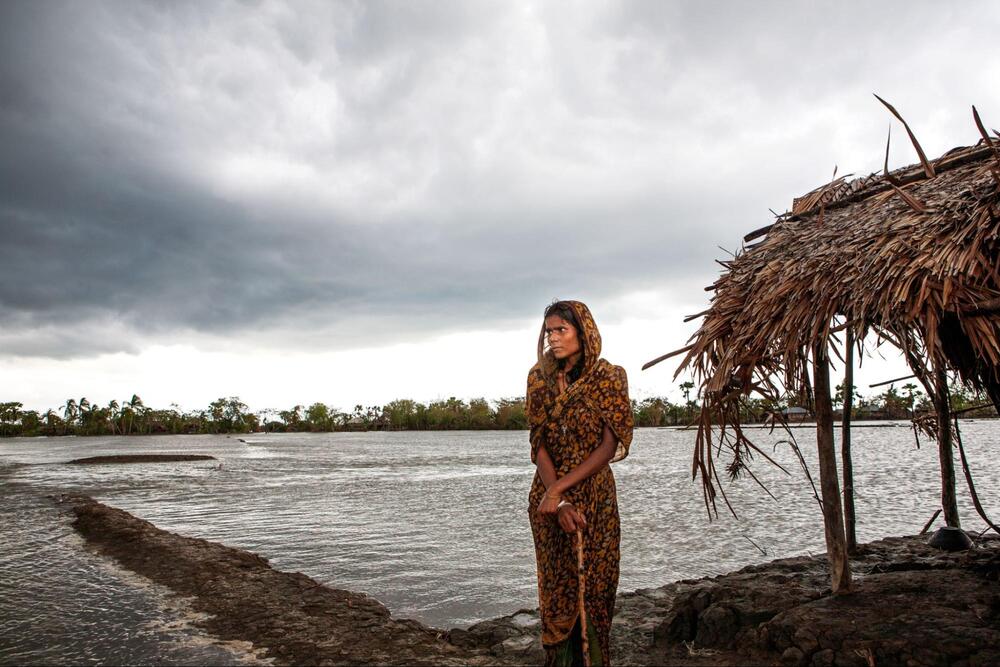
[{"x": 231, "y": 415}]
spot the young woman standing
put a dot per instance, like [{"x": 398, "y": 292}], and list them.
[{"x": 581, "y": 420}]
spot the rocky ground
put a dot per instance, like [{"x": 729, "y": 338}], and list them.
[{"x": 912, "y": 605}]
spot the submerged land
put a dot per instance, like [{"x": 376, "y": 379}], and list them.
[
  {"x": 141, "y": 458},
  {"x": 912, "y": 605}
]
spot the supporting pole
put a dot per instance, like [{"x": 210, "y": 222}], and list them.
[
  {"x": 942, "y": 404},
  {"x": 845, "y": 446},
  {"x": 833, "y": 515}
]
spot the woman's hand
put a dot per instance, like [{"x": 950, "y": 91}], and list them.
[
  {"x": 571, "y": 520},
  {"x": 549, "y": 504}
]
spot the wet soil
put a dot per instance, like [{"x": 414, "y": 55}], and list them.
[
  {"x": 142, "y": 458},
  {"x": 911, "y": 605}
]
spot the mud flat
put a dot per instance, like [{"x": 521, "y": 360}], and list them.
[
  {"x": 141, "y": 458},
  {"x": 912, "y": 605}
]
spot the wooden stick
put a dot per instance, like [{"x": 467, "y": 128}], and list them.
[
  {"x": 927, "y": 526},
  {"x": 757, "y": 233},
  {"x": 581, "y": 588},
  {"x": 905, "y": 377},
  {"x": 697, "y": 315},
  {"x": 970, "y": 409},
  {"x": 850, "y": 521},
  {"x": 945, "y": 449},
  {"x": 667, "y": 356},
  {"x": 833, "y": 509},
  {"x": 987, "y": 306},
  {"x": 968, "y": 480},
  {"x": 841, "y": 327}
]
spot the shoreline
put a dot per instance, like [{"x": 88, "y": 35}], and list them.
[
  {"x": 912, "y": 605},
  {"x": 139, "y": 458},
  {"x": 901, "y": 422}
]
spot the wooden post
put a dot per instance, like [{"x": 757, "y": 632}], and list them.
[
  {"x": 845, "y": 446},
  {"x": 942, "y": 405},
  {"x": 833, "y": 515}
]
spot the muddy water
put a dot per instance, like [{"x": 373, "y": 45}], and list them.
[{"x": 431, "y": 524}]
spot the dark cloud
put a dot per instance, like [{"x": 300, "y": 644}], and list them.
[{"x": 375, "y": 172}]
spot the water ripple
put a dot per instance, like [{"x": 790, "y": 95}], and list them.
[{"x": 432, "y": 524}]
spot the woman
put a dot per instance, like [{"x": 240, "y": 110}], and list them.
[{"x": 581, "y": 420}]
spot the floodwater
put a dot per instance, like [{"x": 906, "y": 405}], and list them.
[{"x": 433, "y": 525}]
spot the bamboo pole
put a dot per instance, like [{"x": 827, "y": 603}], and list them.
[
  {"x": 942, "y": 405},
  {"x": 833, "y": 515},
  {"x": 581, "y": 588},
  {"x": 845, "y": 446}
]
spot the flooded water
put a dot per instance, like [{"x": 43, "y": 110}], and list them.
[{"x": 432, "y": 524}]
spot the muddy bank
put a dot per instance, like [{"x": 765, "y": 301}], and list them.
[
  {"x": 142, "y": 458},
  {"x": 296, "y": 619},
  {"x": 913, "y": 605}
]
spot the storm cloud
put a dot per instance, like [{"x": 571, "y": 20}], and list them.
[{"x": 336, "y": 173}]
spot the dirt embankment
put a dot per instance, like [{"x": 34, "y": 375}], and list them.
[
  {"x": 912, "y": 605},
  {"x": 141, "y": 458},
  {"x": 296, "y": 619}
]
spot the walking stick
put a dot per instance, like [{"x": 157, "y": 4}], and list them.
[{"x": 581, "y": 588}]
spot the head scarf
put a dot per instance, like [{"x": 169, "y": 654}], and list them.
[{"x": 602, "y": 387}]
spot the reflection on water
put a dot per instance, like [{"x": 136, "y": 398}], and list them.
[{"x": 431, "y": 524}]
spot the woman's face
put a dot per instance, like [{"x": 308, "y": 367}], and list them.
[{"x": 562, "y": 336}]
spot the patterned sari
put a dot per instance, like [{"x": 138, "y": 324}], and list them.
[{"x": 570, "y": 426}]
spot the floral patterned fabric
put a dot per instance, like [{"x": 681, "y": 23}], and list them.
[{"x": 570, "y": 426}]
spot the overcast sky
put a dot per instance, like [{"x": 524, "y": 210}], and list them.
[{"x": 354, "y": 202}]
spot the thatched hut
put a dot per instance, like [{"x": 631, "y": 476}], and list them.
[{"x": 911, "y": 257}]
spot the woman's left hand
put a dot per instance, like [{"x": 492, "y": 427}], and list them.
[{"x": 570, "y": 519}]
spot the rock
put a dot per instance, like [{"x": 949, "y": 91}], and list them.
[
  {"x": 793, "y": 657},
  {"x": 805, "y": 640},
  {"x": 949, "y": 538},
  {"x": 717, "y": 626},
  {"x": 520, "y": 644},
  {"x": 823, "y": 658}
]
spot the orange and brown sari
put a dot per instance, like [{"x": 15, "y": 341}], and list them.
[{"x": 570, "y": 426}]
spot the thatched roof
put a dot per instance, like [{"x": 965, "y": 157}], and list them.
[{"x": 912, "y": 255}]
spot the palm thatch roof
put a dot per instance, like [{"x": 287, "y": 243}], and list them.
[{"x": 912, "y": 256}]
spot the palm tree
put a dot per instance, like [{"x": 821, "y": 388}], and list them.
[
  {"x": 51, "y": 421},
  {"x": 70, "y": 411},
  {"x": 114, "y": 414},
  {"x": 910, "y": 388},
  {"x": 686, "y": 387},
  {"x": 134, "y": 405},
  {"x": 86, "y": 411}
]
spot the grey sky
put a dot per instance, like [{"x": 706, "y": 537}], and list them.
[{"x": 336, "y": 174}]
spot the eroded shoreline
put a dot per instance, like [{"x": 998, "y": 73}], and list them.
[
  {"x": 140, "y": 458},
  {"x": 912, "y": 605}
]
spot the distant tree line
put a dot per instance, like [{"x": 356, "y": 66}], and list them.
[{"x": 231, "y": 415}]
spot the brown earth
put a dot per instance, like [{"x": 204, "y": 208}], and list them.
[
  {"x": 912, "y": 605},
  {"x": 142, "y": 458}
]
